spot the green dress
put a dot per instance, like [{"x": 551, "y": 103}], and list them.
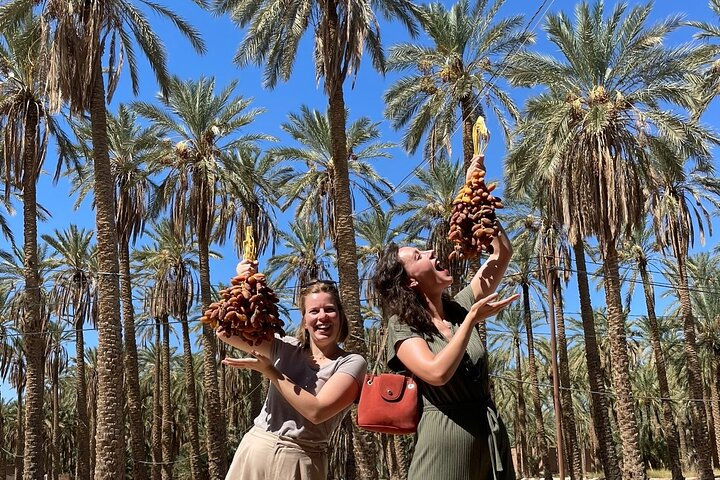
[{"x": 454, "y": 440}]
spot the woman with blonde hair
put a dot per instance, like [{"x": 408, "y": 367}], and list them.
[{"x": 313, "y": 383}]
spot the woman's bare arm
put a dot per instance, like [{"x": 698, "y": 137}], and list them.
[
  {"x": 339, "y": 391},
  {"x": 437, "y": 370}
]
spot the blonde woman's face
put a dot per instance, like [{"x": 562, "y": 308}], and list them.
[{"x": 321, "y": 318}]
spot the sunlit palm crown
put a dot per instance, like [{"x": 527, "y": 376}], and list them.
[
  {"x": 307, "y": 257},
  {"x": 591, "y": 134},
  {"x": 313, "y": 185},
  {"x": 170, "y": 262},
  {"x": 23, "y": 73},
  {"x": 79, "y": 32},
  {"x": 275, "y": 28},
  {"x": 468, "y": 48},
  {"x": 204, "y": 129},
  {"x": 430, "y": 201}
]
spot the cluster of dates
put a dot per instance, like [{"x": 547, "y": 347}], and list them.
[
  {"x": 247, "y": 309},
  {"x": 473, "y": 224}
]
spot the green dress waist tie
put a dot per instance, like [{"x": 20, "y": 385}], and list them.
[{"x": 495, "y": 457}]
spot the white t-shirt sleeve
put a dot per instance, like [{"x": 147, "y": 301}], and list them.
[{"x": 355, "y": 366}]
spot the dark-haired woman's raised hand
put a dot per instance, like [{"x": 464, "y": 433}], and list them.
[{"x": 488, "y": 306}]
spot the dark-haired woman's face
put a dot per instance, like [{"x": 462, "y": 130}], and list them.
[{"x": 424, "y": 268}]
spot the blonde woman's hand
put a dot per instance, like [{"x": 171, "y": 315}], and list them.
[
  {"x": 246, "y": 267},
  {"x": 488, "y": 307},
  {"x": 258, "y": 362}
]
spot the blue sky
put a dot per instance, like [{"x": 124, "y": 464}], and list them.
[{"x": 365, "y": 99}]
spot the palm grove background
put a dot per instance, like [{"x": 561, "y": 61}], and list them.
[{"x": 605, "y": 141}]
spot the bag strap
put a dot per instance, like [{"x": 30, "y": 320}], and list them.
[{"x": 383, "y": 342}]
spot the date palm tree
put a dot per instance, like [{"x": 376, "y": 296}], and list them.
[
  {"x": 512, "y": 322},
  {"x": 592, "y": 126},
  {"x": 304, "y": 257},
  {"x": 313, "y": 186},
  {"x": 27, "y": 125},
  {"x": 208, "y": 125},
  {"x": 704, "y": 270},
  {"x": 342, "y": 32},
  {"x": 131, "y": 149},
  {"x": 74, "y": 297},
  {"x": 158, "y": 310},
  {"x": 57, "y": 361},
  {"x": 13, "y": 270},
  {"x": 253, "y": 197},
  {"x": 639, "y": 251},
  {"x": 523, "y": 274},
  {"x": 678, "y": 207},
  {"x": 172, "y": 264},
  {"x": 456, "y": 74},
  {"x": 78, "y": 35},
  {"x": 548, "y": 243},
  {"x": 375, "y": 229}
]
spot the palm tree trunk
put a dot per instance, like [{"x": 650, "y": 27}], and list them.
[
  {"x": 222, "y": 378},
  {"x": 599, "y": 398},
  {"x": 401, "y": 454},
  {"x": 572, "y": 449},
  {"x": 668, "y": 419},
  {"x": 3, "y": 465},
  {"x": 93, "y": 437},
  {"x": 468, "y": 121},
  {"x": 344, "y": 234},
  {"x": 592, "y": 444},
  {"x": 19, "y": 443},
  {"x": 191, "y": 395},
  {"x": 167, "y": 415},
  {"x": 682, "y": 437},
  {"x": 633, "y": 467},
  {"x": 715, "y": 396},
  {"x": 132, "y": 377},
  {"x": 110, "y": 440},
  {"x": 711, "y": 421},
  {"x": 82, "y": 428},
  {"x": 257, "y": 393},
  {"x": 55, "y": 439},
  {"x": 697, "y": 414},
  {"x": 521, "y": 418},
  {"x": 540, "y": 435},
  {"x": 34, "y": 467},
  {"x": 216, "y": 427},
  {"x": 157, "y": 408}
]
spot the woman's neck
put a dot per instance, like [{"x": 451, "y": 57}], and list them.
[
  {"x": 435, "y": 306},
  {"x": 325, "y": 351}
]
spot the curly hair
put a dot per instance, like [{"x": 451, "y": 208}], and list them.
[
  {"x": 392, "y": 288},
  {"x": 322, "y": 286}
]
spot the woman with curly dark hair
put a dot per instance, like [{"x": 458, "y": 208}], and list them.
[{"x": 460, "y": 436}]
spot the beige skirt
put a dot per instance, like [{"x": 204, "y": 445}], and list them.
[{"x": 266, "y": 456}]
